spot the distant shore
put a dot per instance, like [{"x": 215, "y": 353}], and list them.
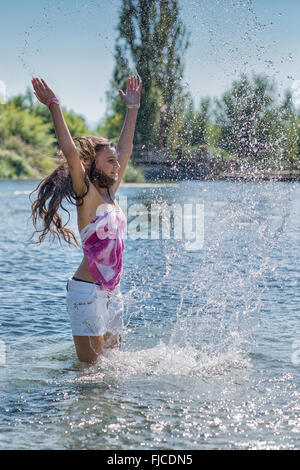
[{"x": 284, "y": 175}]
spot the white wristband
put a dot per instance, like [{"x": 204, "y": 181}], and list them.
[{"x": 129, "y": 106}]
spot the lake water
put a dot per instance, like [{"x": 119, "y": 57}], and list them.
[{"x": 211, "y": 348}]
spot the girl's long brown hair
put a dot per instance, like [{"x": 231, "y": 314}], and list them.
[{"x": 58, "y": 186}]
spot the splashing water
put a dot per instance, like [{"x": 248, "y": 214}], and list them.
[
  {"x": 212, "y": 312},
  {"x": 188, "y": 314},
  {"x": 189, "y": 361}
]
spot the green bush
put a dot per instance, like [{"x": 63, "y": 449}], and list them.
[
  {"x": 39, "y": 160},
  {"x": 30, "y": 128},
  {"x": 13, "y": 166},
  {"x": 26, "y": 131},
  {"x": 14, "y": 143},
  {"x": 112, "y": 126},
  {"x": 133, "y": 174},
  {"x": 76, "y": 124}
]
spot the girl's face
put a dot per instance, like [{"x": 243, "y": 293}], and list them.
[{"x": 107, "y": 161}]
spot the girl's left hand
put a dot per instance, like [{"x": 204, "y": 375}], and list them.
[{"x": 133, "y": 91}]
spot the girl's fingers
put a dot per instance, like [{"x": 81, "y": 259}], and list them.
[
  {"x": 44, "y": 83},
  {"x": 36, "y": 83},
  {"x": 133, "y": 84},
  {"x": 41, "y": 83}
]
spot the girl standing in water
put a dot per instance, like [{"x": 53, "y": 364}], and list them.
[{"x": 90, "y": 173}]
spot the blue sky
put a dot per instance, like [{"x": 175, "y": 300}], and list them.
[{"x": 70, "y": 43}]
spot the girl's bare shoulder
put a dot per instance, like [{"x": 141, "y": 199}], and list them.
[{"x": 89, "y": 208}]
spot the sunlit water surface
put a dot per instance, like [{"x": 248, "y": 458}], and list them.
[{"x": 210, "y": 356}]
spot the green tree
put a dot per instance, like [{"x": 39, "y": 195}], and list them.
[
  {"x": 152, "y": 41},
  {"x": 290, "y": 139},
  {"x": 16, "y": 121},
  {"x": 194, "y": 130},
  {"x": 252, "y": 124},
  {"x": 27, "y": 138},
  {"x": 27, "y": 102}
]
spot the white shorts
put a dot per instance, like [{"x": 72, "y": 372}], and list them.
[{"x": 92, "y": 311}]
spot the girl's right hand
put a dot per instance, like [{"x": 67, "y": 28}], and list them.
[{"x": 41, "y": 90}]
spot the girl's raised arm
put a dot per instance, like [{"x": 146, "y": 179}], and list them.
[
  {"x": 46, "y": 96},
  {"x": 124, "y": 147}
]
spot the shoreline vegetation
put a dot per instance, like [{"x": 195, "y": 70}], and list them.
[
  {"x": 247, "y": 136},
  {"x": 141, "y": 180},
  {"x": 20, "y": 161},
  {"x": 233, "y": 177}
]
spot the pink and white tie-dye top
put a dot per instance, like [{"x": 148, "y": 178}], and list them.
[{"x": 103, "y": 245}]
